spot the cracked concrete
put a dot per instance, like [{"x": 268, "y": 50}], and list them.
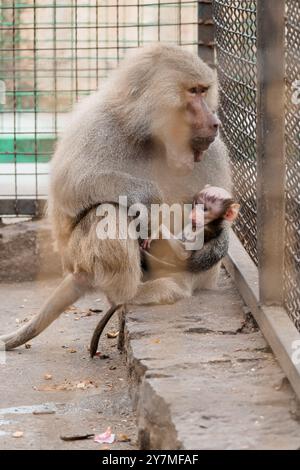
[
  {"x": 203, "y": 377},
  {"x": 60, "y": 351}
]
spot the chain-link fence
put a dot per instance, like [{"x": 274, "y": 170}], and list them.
[
  {"x": 235, "y": 36},
  {"x": 236, "y": 46},
  {"x": 292, "y": 139},
  {"x": 52, "y": 53}
]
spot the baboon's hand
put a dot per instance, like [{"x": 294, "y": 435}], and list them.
[{"x": 211, "y": 253}]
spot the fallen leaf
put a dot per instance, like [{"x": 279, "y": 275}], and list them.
[
  {"x": 71, "y": 308},
  {"x": 123, "y": 438},
  {"x": 95, "y": 310},
  {"x": 67, "y": 386},
  {"x": 155, "y": 341},
  {"x": 86, "y": 314},
  {"x": 112, "y": 334},
  {"x": 81, "y": 385},
  {"x": 86, "y": 384},
  {"x": 104, "y": 356},
  {"x": 105, "y": 438},
  {"x": 43, "y": 412},
  {"x": 24, "y": 320},
  {"x": 18, "y": 434},
  {"x": 101, "y": 355},
  {"x": 71, "y": 350}
]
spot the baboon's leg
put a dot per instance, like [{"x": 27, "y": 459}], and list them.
[
  {"x": 70, "y": 290},
  {"x": 163, "y": 290}
]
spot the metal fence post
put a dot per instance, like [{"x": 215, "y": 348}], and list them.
[
  {"x": 270, "y": 149},
  {"x": 206, "y": 32}
]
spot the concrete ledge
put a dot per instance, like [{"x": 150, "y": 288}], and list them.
[
  {"x": 203, "y": 377},
  {"x": 274, "y": 322},
  {"x": 27, "y": 252}
]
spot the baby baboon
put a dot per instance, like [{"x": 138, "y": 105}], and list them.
[
  {"x": 150, "y": 134},
  {"x": 211, "y": 207}
]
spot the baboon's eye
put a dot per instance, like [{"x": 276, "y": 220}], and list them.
[
  {"x": 193, "y": 90},
  {"x": 203, "y": 90},
  {"x": 198, "y": 90}
]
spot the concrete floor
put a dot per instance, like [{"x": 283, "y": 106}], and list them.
[
  {"x": 201, "y": 375},
  {"x": 61, "y": 352}
]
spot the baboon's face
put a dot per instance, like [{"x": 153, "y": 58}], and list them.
[
  {"x": 203, "y": 123},
  {"x": 186, "y": 122},
  {"x": 172, "y": 99}
]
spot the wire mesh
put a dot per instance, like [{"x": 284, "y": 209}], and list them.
[
  {"x": 235, "y": 38},
  {"x": 51, "y": 54},
  {"x": 292, "y": 134}
]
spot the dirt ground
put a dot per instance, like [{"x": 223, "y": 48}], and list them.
[{"x": 54, "y": 389}]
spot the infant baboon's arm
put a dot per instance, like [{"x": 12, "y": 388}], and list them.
[{"x": 211, "y": 253}]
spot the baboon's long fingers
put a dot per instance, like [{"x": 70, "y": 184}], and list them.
[
  {"x": 100, "y": 327},
  {"x": 64, "y": 295}
]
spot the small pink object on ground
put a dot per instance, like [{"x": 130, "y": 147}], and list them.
[{"x": 105, "y": 438}]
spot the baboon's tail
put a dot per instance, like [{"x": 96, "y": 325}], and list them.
[
  {"x": 100, "y": 327},
  {"x": 64, "y": 295}
]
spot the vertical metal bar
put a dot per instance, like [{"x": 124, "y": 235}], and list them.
[
  {"x": 97, "y": 44},
  {"x": 179, "y": 22},
  {"x": 138, "y": 24},
  {"x": 270, "y": 149},
  {"x": 158, "y": 21},
  {"x": 206, "y": 28},
  {"x": 75, "y": 26},
  {"x": 118, "y": 31},
  {"x": 35, "y": 99},
  {"x": 15, "y": 104}
]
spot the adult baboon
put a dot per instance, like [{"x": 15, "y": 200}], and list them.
[{"x": 150, "y": 134}]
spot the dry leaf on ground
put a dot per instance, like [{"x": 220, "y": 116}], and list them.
[
  {"x": 112, "y": 334},
  {"x": 67, "y": 386}
]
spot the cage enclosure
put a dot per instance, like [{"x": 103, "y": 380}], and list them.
[{"x": 52, "y": 53}]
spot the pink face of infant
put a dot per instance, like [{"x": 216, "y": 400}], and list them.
[{"x": 217, "y": 202}]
